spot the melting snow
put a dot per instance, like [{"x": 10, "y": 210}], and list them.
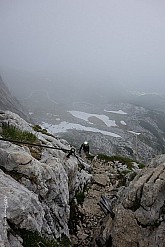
[
  {"x": 64, "y": 126},
  {"x": 85, "y": 116}
]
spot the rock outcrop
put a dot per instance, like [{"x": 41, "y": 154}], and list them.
[
  {"x": 36, "y": 192},
  {"x": 136, "y": 198},
  {"x": 139, "y": 210}
]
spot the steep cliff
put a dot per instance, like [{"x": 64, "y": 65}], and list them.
[{"x": 9, "y": 102}]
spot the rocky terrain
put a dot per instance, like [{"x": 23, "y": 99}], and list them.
[
  {"x": 51, "y": 199},
  {"x": 137, "y": 199},
  {"x": 36, "y": 186}
]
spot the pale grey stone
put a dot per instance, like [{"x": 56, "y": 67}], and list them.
[
  {"x": 39, "y": 197},
  {"x": 139, "y": 215},
  {"x": 101, "y": 179}
]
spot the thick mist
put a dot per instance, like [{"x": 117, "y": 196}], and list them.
[{"x": 81, "y": 49}]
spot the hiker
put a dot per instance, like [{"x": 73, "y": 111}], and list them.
[{"x": 85, "y": 148}]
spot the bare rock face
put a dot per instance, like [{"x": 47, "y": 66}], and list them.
[
  {"x": 9, "y": 102},
  {"x": 38, "y": 192},
  {"x": 22, "y": 207},
  {"x": 140, "y": 210}
]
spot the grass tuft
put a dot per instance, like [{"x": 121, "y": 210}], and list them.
[
  {"x": 13, "y": 133},
  {"x": 121, "y": 159}
]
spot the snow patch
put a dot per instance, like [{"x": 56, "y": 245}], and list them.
[
  {"x": 135, "y": 133},
  {"x": 123, "y": 123},
  {"x": 117, "y": 112},
  {"x": 64, "y": 126},
  {"x": 85, "y": 116}
]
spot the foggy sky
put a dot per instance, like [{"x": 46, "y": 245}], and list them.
[{"x": 71, "y": 42}]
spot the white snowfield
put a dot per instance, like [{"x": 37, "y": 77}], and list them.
[
  {"x": 117, "y": 112},
  {"x": 85, "y": 116},
  {"x": 64, "y": 126}
]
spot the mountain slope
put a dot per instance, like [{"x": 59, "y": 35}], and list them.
[
  {"x": 48, "y": 196},
  {"x": 8, "y": 102},
  {"x": 36, "y": 189},
  {"x": 114, "y": 129}
]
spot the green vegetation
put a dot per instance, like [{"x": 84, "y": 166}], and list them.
[
  {"x": 141, "y": 166},
  {"x": 38, "y": 128},
  {"x": 80, "y": 196},
  {"x": 121, "y": 159},
  {"x": 34, "y": 239},
  {"x": 75, "y": 217},
  {"x": 75, "y": 214},
  {"x": 90, "y": 157},
  {"x": 13, "y": 133}
]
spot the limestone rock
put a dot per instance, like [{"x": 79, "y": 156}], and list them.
[
  {"x": 15, "y": 241},
  {"x": 23, "y": 208},
  {"x": 139, "y": 211},
  {"x": 101, "y": 179},
  {"x": 15, "y": 120},
  {"x": 38, "y": 191}
]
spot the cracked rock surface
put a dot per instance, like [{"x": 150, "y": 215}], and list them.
[
  {"x": 37, "y": 192},
  {"x": 140, "y": 210}
]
